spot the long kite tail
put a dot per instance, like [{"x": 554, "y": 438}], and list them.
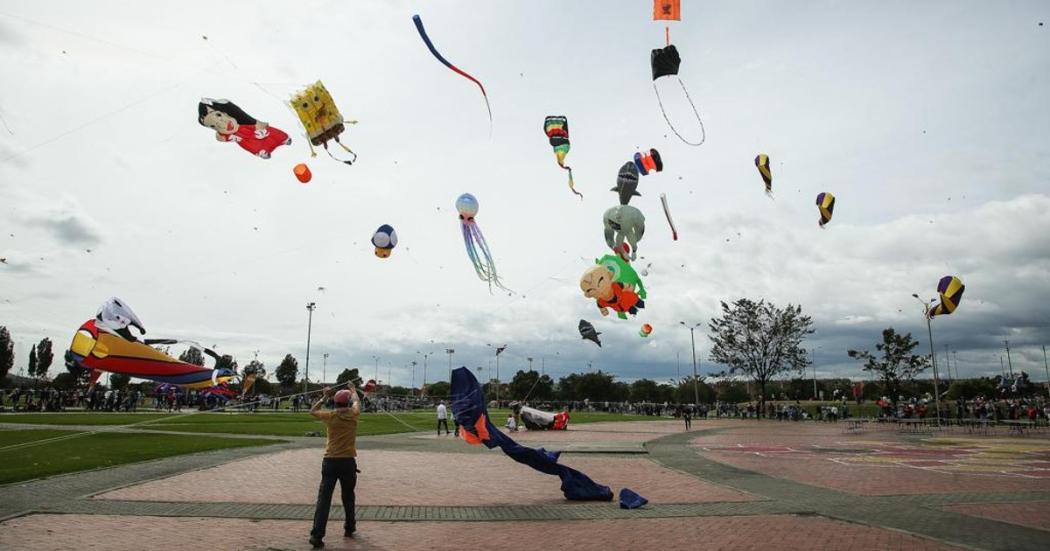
[
  {"x": 703, "y": 132},
  {"x": 572, "y": 184},
  {"x": 667, "y": 213},
  {"x": 430, "y": 45}
]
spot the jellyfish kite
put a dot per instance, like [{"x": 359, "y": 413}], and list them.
[
  {"x": 557, "y": 130},
  {"x": 826, "y": 204},
  {"x": 950, "y": 288},
  {"x": 445, "y": 62},
  {"x": 666, "y": 61},
  {"x": 474, "y": 241},
  {"x": 762, "y": 163},
  {"x": 232, "y": 124},
  {"x": 321, "y": 119}
]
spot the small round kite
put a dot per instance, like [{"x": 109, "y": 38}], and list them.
[
  {"x": 302, "y": 173},
  {"x": 826, "y": 204},
  {"x": 557, "y": 130},
  {"x": 474, "y": 241},
  {"x": 384, "y": 240},
  {"x": 648, "y": 162},
  {"x": 762, "y": 162},
  {"x": 645, "y": 331},
  {"x": 950, "y": 288}
]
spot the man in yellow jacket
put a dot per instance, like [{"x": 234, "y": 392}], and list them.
[{"x": 340, "y": 463}]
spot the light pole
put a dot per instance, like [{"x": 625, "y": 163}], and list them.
[
  {"x": 309, "y": 329},
  {"x": 1047, "y": 369},
  {"x": 933, "y": 355},
  {"x": 813, "y": 353},
  {"x": 948, "y": 365},
  {"x": 499, "y": 350},
  {"x": 376, "y": 379},
  {"x": 324, "y": 367},
  {"x": 423, "y": 387},
  {"x": 1009, "y": 362},
  {"x": 696, "y": 378},
  {"x": 450, "y": 352},
  {"x": 413, "y": 376}
]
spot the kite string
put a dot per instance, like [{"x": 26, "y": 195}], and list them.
[{"x": 703, "y": 132}]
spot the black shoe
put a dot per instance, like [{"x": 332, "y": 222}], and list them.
[
  {"x": 316, "y": 543},
  {"x": 349, "y": 534}
]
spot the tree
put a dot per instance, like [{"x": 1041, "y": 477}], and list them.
[
  {"x": 439, "y": 389},
  {"x": 64, "y": 381},
  {"x": 529, "y": 384},
  {"x": 682, "y": 391},
  {"x": 7, "y": 352},
  {"x": 119, "y": 380},
  {"x": 645, "y": 390},
  {"x": 44, "y": 357},
  {"x": 287, "y": 371},
  {"x": 760, "y": 341},
  {"x": 348, "y": 375},
  {"x": 262, "y": 386},
  {"x": 32, "y": 362},
  {"x": 193, "y": 355},
  {"x": 896, "y": 365},
  {"x": 227, "y": 362},
  {"x": 597, "y": 387}
]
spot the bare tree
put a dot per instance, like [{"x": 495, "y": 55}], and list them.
[{"x": 760, "y": 341}]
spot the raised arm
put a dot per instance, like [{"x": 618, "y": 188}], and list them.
[{"x": 315, "y": 409}]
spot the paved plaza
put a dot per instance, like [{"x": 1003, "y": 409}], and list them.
[{"x": 724, "y": 485}]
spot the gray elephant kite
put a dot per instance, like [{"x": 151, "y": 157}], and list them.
[{"x": 623, "y": 223}]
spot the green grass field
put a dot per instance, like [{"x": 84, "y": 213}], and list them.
[
  {"x": 97, "y": 450},
  {"x": 273, "y": 424}
]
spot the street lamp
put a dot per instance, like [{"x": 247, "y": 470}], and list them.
[
  {"x": 376, "y": 359},
  {"x": 933, "y": 355},
  {"x": 324, "y": 367},
  {"x": 499, "y": 350},
  {"x": 450, "y": 352},
  {"x": 696, "y": 378},
  {"x": 309, "y": 329}
]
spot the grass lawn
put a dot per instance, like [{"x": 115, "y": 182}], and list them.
[
  {"x": 276, "y": 424},
  {"x": 97, "y": 450}
]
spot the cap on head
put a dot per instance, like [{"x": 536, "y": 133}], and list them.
[{"x": 342, "y": 397}]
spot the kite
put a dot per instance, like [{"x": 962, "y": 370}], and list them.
[
  {"x": 665, "y": 62},
  {"x": 302, "y": 173},
  {"x": 468, "y": 405},
  {"x": 320, "y": 118},
  {"x": 251, "y": 373},
  {"x": 826, "y": 205},
  {"x": 950, "y": 288},
  {"x": 645, "y": 331},
  {"x": 232, "y": 124},
  {"x": 762, "y": 162},
  {"x": 646, "y": 162},
  {"x": 667, "y": 213},
  {"x": 627, "y": 183},
  {"x": 535, "y": 419},
  {"x": 384, "y": 239},
  {"x": 624, "y": 223},
  {"x": 445, "y": 62},
  {"x": 106, "y": 343},
  {"x": 474, "y": 241},
  {"x": 588, "y": 333},
  {"x": 557, "y": 130},
  {"x": 614, "y": 284}
]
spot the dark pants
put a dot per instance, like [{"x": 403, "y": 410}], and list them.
[
  {"x": 344, "y": 470},
  {"x": 442, "y": 423}
]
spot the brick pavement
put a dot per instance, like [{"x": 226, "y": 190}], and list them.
[
  {"x": 292, "y": 477},
  {"x": 88, "y": 532},
  {"x": 795, "y": 513},
  {"x": 1034, "y": 514}
]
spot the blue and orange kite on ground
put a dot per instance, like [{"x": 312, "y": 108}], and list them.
[{"x": 468, "y": 404}]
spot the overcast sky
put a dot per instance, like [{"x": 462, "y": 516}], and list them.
[{"x": 927, "y": 120}]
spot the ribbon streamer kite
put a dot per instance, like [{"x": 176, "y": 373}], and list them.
[{"x": 446, "y": 63}]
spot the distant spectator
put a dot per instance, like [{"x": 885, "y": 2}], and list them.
[
  {"x": 511, "y": 425},
  {"x": 442, "y": 415}
]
